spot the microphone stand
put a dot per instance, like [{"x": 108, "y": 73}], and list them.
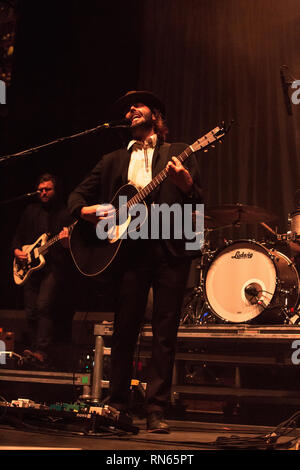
[
  {"x": 18, "y": 198},
  {"x": 286, "y": 82},
  {"x": 106, "y": 125}
]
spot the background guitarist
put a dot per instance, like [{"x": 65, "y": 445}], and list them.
[
  {"x": 140, "y": 264},
  {"x": 47, "y": 215}
]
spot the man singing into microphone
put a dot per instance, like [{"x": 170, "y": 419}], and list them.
[
  {"x": 143, "y": 263},
  {"x": 47, "y": 215}
]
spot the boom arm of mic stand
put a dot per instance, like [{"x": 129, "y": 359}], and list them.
[
  {"x": 286, "y": 82},
  {"x": 32, "y": 150},
  {"x": 18, "y": 198}
]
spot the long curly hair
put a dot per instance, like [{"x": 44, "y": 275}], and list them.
[{"x": 160, "y": 125}]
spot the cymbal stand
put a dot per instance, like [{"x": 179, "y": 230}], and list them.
[{"x": 195, "y": 311}]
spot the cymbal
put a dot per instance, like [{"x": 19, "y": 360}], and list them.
[
  {"x": 210, "y": 222},
  {"x": 235, "y": 214}
]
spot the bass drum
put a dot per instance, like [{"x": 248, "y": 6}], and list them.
[{"x": 246, "y": 281}]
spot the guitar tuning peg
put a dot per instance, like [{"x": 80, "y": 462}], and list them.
[
  {"x": 213, "y": 146},
  {"x": 206, "y": 150}
]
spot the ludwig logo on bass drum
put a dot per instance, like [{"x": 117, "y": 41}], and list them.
[{"x": 242, "y": 255}]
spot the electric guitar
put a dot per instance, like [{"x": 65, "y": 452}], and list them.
[
  {"x": 93, "y": 255},
  {"x": 22, "y": 269}
]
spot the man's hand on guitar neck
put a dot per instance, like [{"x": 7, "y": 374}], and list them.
[
  {"x": 97, "y": 212},
  {"x": 64, "y": 237},
  {"x": 179, "y": 175}
]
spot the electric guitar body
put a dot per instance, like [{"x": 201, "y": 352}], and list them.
[
  {"x": 36, "y": 252},
  {"x": 23, "y": 269}
]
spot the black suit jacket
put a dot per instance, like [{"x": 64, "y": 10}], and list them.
[{"x": 111, "y": 173}]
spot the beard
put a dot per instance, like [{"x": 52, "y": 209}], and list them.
[{"x": 141, "y": 126}]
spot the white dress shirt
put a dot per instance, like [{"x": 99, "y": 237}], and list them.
[{"x": 140, "y": 165}]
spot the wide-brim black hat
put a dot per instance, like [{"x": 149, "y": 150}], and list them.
[{"x": 148, "y": 98}]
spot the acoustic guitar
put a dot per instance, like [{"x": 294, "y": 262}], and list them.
[{"x": 93, "y": 255}]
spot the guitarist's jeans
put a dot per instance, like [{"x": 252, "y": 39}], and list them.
[
  {"x": 143, "y": 266},
  {"x": 39, "y": 295}
]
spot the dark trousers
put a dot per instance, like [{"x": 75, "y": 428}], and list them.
[
  {"x": 39, "y": 297},
  {"x": 147, "y": 266}
]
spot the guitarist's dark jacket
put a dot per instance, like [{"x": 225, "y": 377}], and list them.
[{"x": 110, "y": 174}]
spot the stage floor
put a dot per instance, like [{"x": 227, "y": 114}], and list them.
[
  {"x": 185, "y": 436},
  {"x": 238, "y": 345}
]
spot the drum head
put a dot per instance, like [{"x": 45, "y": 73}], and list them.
[{"x": 240, "y": 281}]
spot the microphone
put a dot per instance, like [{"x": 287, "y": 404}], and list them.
[
  {"x": 286, "y": 83},
  {"x": 251, "y": 290},
  {"x": 33, "y": 194},
  {"x": 121, "y": 123}
]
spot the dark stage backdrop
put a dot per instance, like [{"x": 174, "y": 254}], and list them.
[
  {"x": 72, "y": 60},
  {"x": 209, "y": 60},
  {"x": 215, "y": 60}
]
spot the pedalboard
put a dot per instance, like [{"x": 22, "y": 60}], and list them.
[{"x": 89, "y": 419}]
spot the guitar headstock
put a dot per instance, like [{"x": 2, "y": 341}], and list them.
[{"x": 210, "y": 138}]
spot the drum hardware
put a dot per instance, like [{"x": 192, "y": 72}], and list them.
[
  {"x": 288, "y": 237},
  {"x": 294, "y": 317},
  {"x": 245, "y": 281},
  {"x": 195, "y": 311},
  {"x": 284, "y": 312},
  {"x": 236, "y": 214},
  {"x": 267, "y": 227},
  {"x": 209, "y": 222}
]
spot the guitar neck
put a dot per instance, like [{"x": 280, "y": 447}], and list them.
[
  {"x": 44, "y": 248},
  {"x": 159, "y": 178},
  {"x": 200, "y": 144}
]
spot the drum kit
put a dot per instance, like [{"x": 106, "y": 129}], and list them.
[{"x": 244, "y": 281}]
